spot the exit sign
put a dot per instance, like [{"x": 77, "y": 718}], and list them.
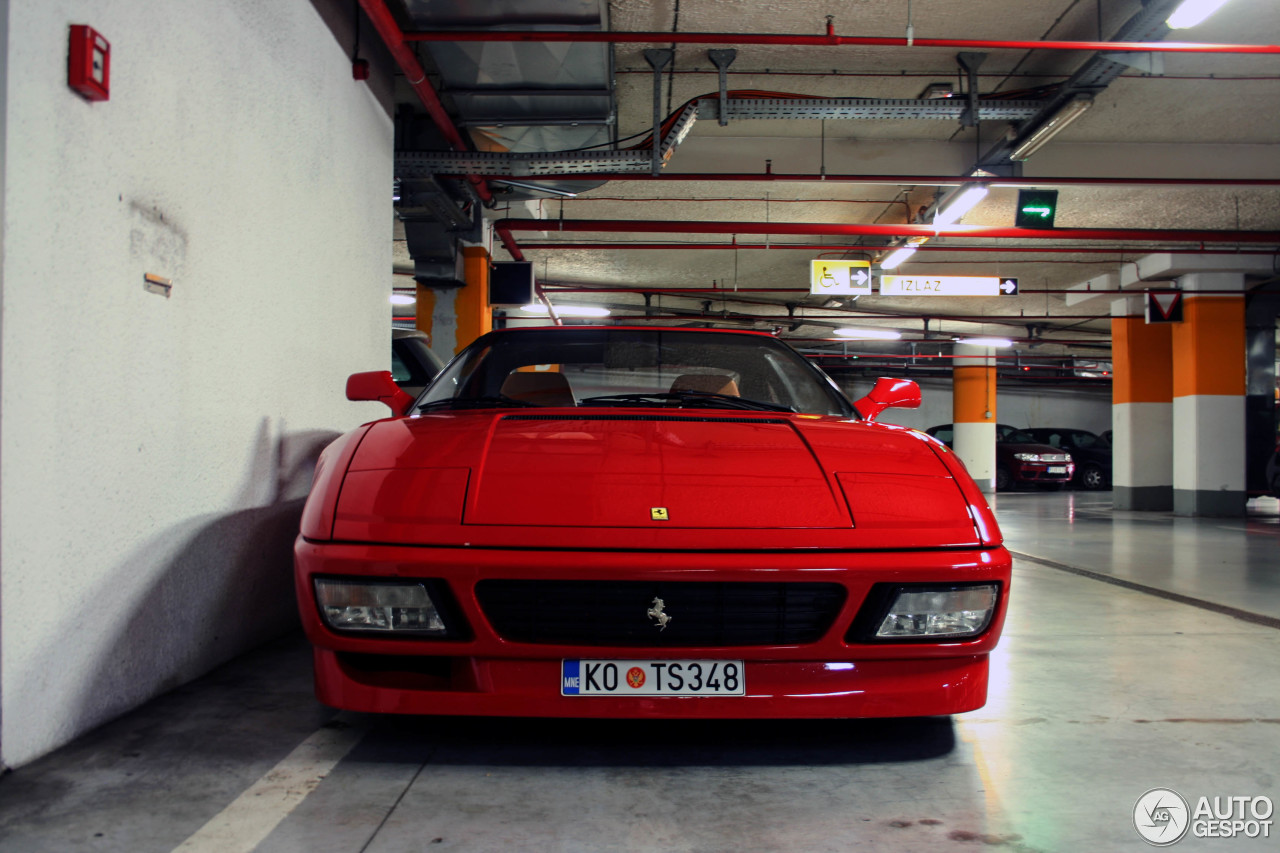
[{"x": 1036, "y": 208}]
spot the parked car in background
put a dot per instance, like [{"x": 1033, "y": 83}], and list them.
[
  {"x": 1022, "y": 460},
  {"x": 645, "y": 522},
  {"x": 413, "y": 364},
  {"x": 1090, "y": 452},
  {"x": 946, "y": 432}
]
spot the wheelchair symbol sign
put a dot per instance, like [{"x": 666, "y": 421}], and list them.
[{"x": 840, "y": 278}]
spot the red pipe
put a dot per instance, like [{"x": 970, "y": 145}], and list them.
[
  {"x": 504, "y": 234},
  {"x": 382, "y": 20},
  {"x": 828, "y": 247},
  {"x": 853, "y": 319},
  {"x": 416, "y": 76},
  {"x": 722, "y": 292},
  {"x": 828, "y": 40},
  {"x": 650, "y": 226},
  {"x": 912, "y": 180}
]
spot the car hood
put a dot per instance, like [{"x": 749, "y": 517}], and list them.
[
  {"x": 649, "y": 478},
  {"x": 1008, "y": 447}
]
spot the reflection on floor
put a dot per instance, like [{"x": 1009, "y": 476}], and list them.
[{"x": 1099, "y": 693}]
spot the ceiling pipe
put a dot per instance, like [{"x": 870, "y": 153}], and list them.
[
  {"x": 830, "y": 39},
  {"x": 854, "y": 317},
  {"x": 729, "y": 293},
  {"x": 650, "y": 226},
  {"x": 915, "y": 180},
  {"x": 416, "y": 76},
  {"x": 509, "y": 241},
  {"x": 834, "y": 248}
]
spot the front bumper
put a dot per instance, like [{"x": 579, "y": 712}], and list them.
[
  {"x": 1039, "y": 472},
  {"x": 489, "y": 675}
]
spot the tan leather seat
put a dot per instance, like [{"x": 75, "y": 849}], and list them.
[
  {"x": 709, "y": 383},
  {"x": 541, "y": 389}
]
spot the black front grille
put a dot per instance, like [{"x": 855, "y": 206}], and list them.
[{"x": 616, "y": 613}]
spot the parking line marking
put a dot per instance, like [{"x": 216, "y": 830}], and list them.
[
  {"x": 1213, "y": 607},
  {"x": 251, "y": 817}
]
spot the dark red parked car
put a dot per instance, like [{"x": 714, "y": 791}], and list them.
[
  {"x": 1022, "y": 460},
  {"x": 645, "y": 522}
]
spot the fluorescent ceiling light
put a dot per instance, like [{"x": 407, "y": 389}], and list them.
[
  {"x": 984, "y": 342},
  {"x": 1070, "y": 111},
  {"x": 896, "y": 257},
  {"x": 871, "y": 334},
  {"x": 960, "y": 204},
  {"x": 1192, "y": 12},
  {"x": 403, "y": 299},
  {"x": 566, "y": 310}
]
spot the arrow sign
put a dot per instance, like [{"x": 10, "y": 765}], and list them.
[
  {"x": 1036, "y": 208},
  {"x": 840, "y": 278},
  {"x": 1008, "y": 287}
]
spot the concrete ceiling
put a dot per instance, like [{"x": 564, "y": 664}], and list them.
[{"x": 1201, "y": 116}]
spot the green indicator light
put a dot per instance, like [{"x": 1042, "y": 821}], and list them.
[{"x": 1036, "y": 208}]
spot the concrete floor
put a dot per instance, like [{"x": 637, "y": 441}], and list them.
[{"x": 1140, "y": 652}]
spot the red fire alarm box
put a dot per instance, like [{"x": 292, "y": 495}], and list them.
[{"x": 89, "y": 63}]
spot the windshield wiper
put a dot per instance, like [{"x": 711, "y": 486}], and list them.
[
  {"x": 702, "y": 399},
  {"x": 483, "y": 402}
]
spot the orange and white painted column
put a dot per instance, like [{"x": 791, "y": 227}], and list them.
[
  {"x": 973, "y": 409},
  {"x": 456, "y": 316},
  {"x": 1208, "y": 397},
  {"x": 1141, "y": 408}
]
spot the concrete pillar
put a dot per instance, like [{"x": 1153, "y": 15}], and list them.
[
  {"x": 1208, "y": 397},
  {"x": 1141, "y": 408},
  {"x": 456, "y": 316},
  {"x": 973, "y": 407}
]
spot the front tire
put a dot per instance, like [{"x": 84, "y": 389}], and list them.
[
  {"x": 1092, "y": 478},
  {"x": 1003, "y": 479}
]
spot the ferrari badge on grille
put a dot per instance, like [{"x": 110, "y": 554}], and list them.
[
  {"x": 655, "y": 612},
  {"x": 658, "y": 513}
]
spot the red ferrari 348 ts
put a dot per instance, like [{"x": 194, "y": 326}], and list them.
[{"x": 646, "y": 522}]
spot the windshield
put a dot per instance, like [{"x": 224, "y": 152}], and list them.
[
  {"x": 634, "y": 367},
  {"x": 1020, "y": 437}
]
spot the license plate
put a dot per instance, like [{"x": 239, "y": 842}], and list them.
[
  {"x": 652, "y": 678},
  {"x": 1057, "y": 469}
]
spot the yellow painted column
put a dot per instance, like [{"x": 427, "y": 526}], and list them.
[
  {"x": 474, "y": 313},
  {"x": 456, "y": 316},
  {"x": 1208, "y": 398},
  {"x": 1141, "y": 408},
  {"x": 973, "y": 407}
]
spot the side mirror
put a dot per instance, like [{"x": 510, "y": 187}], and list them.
[
  {"x": 378, "y": 386},
  {"x": 889, "y": 393}
]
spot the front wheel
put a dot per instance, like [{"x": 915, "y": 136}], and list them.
[
  {"x": 1003, "y": 480},
  {"x": 1092, "y": 478}
]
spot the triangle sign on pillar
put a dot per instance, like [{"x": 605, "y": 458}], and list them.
[{"x": 1164, "y": 306}]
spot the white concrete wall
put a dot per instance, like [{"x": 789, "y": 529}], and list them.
[
  {"x": 1077, "y": 408},
  {"x": 153, "y": 451}
]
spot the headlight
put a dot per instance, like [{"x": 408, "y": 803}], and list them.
[
  {"x": 1027, "y": 457},
  {"x": 405, "y": 607},
  {"x": 926, "y": 612}
]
